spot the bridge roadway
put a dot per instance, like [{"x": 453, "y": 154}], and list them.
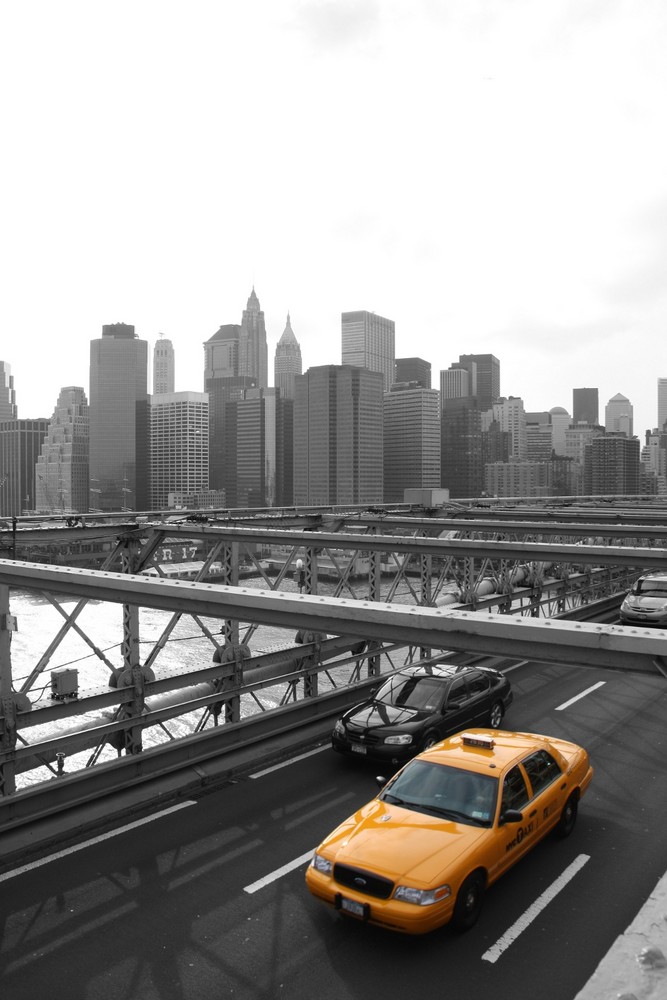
[{"x": 205, "y": 898}]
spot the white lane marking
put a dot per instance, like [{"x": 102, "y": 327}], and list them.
[
  {"x": 278, "y": 873},
  {"x": 292, "y": 760},
  {"x": 95, "y": 840},
  {"x": 533, "y": 911},
  {"x": 566, "y": 704}
]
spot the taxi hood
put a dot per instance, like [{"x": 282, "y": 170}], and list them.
[{"x": 401, "y": 843}]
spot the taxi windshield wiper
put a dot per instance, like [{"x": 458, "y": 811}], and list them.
[{"x": 456, "y": 815}]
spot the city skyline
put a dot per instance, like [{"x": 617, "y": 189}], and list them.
[{"x": 491, "y": 177}]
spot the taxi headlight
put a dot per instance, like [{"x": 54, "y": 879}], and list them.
[
  {"x": 339, "y": 728},
  {"x": 322, "y": 864},
  {"x": 402, "y": 740},
  {"x": 422, "y": 897}
]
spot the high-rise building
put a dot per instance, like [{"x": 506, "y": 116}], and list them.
[
  {"x": 611, "y": 466},
  {"x": 487, "y": 380},
  {"x": 413, "y": 370},
  {"x": 457, "y": 382},
  {"x": 259, "y": 453},
  {"x": 519, "y": 479},
  {"x": 560, "y": 421},
  {"x": 164, "y": 366},
  {"x": 223, "y": 384},
  {"x": 338, "y": 436},
  {"x": 253, "y": 350},
  {"x": 119, "y": 418},
  {"x": 539, "y": 437},
  {"x": 178, "y": 446},
  {"x": 618, "y": 415},
  {"x": 20, "y": 445},
  {"x": 8, "y": 409},
  {"x": 467, "y": 447},
  {"x": 287, "y": 362},
  {"x": 411, "y": 440},
  {"x": 368, "y": 341},
  {"x": 62, "y": 473},
  {"x": 585, "y": 408},
  {"x": 511, "y": 417},
  {"x": 662, "y": 403}
]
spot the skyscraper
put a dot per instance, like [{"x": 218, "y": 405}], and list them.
[
  {"x": 287, "y": 362},
  {"x": 611, "y": 466},
  {"x": 119, "y": 432},
  {"x": 338, "y": 436},
  {"x": 253, "y": 351},
  {"x": 618, "y": 415},
  {"x": 413, "y": 370},
  {"x": 259, "y": 451},
  {"x": 486, "y": 380},
  {"x": 178, "y": 446},
  {"x": 368, "y": 341},
  {"x": 8, "y": 409},
  {"x": 20, "y": 444},
  {"x": 163, "y": 366},
  {"x": 61, "y": 474},
  {"x": 411, "y": 440},
  {"x": 662, "y": 403},
  {"x": 585, "y": 407},
  {"x": 224, "y": 384}
]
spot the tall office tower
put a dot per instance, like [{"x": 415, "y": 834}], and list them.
[
  {"x": 458, "y": 383},
  {"x": 466, "y": 447},
  {"x": 20, "y": 445},
  {"x": 411, "y": 440},
  {"x": 178, "y": 446},
  {"x": 164, "y": 366},
  {"x": 618, "y": 415},
  {"x": 577, "y": 437},
  {"x": 119, "y": 420},
  {"x": 654, "y": 456},
  {"x": 253, "y": 351},
  {"x": 287, "y": 362},
  {"x": 413, "y": 370},
  {"x": 259, "y": 428},
  {"x": 338, "y": 436},
  {"x": 368, "y": 341},
  {"x": 62, "y": 472},
  {"x": 539, "y": 437},
  {"x": 8, "y": 409},
  {"x": 510, "y": 416},
  {"x": 662, "y": 403},
  {"x": 560, "y": 421},
  {"x": 223, "y": 383},
  {"x": 611, "y": 466},
  {"x": 585, "y": 407},
  {"x": 487, "y": 388}
]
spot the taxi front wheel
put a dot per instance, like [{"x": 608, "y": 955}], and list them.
[{"x": 469, "y": 902}]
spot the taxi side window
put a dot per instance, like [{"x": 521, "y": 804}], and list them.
[
  {"x": 515, "y": 793},
  {"x": 541, "y": 769}
]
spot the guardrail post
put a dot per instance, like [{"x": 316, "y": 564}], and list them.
[{"x": 8, "y": 741}]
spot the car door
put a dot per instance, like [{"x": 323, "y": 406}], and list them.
[
  {"x": 512, "y": 840},
  {"x": 548, "y": 788},
  {"x": 455, "y": 712},
  {"x": 479, "y": 687}
]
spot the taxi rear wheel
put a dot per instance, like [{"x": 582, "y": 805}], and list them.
[
  {"x": 568, "y": 817},
  {"x": 469, "y": 902}
]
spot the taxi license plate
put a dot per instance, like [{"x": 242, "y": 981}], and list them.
[
  {"x": 353, "y": 907},
  {"x": 357, "y": 748}
]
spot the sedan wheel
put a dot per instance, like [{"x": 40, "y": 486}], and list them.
[
  {"x": 496, "y": 715},
  {"x": 430, "y": 740}
]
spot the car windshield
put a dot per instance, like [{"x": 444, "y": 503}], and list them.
[
  {"x": 441, "y": 790},
  {"x": 654, "y": 588},
  {"x": 406, "y": 691}
]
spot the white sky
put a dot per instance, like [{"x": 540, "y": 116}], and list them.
[{"x": 490, "y": 174}]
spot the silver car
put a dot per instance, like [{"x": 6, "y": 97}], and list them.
[{"x": 646, "y": 603}]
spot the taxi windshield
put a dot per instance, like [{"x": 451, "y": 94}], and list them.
[
  {"x": 406, "y": 691},
  {"x": 441, "y": 790}
]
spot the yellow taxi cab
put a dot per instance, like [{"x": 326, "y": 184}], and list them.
[{"x": 448, "y": 825}]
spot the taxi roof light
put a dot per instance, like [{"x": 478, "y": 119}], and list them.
[{"x": 478, "y": 740}]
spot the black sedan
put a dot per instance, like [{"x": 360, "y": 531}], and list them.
[{"x": 418, "y": 706}]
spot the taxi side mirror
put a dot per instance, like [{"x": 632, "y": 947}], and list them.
[{"x": 511, "y": 816}]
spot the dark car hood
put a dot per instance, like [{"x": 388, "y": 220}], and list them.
[{"x": 372, "y": 714}]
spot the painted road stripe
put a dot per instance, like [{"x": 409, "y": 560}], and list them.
[
  {"x": 524, "y": 921},
  {"x": 292, "y": 760},
  {"x": 566, "y": 704},
  {"x": 95, "y": 840},
  {"x": 278, "y": 873}
]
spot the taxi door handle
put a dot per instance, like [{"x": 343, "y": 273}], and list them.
[
  {"x": 533, "y": 813},
  {"x": 563, "y": 786}
]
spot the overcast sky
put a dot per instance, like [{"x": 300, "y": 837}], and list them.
[{"x": 490, "y": 174}]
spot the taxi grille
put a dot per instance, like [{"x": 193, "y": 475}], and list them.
[{"x": 362, "y": 881}]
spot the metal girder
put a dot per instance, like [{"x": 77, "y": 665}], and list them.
[{"x": 475, "y": 632}]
